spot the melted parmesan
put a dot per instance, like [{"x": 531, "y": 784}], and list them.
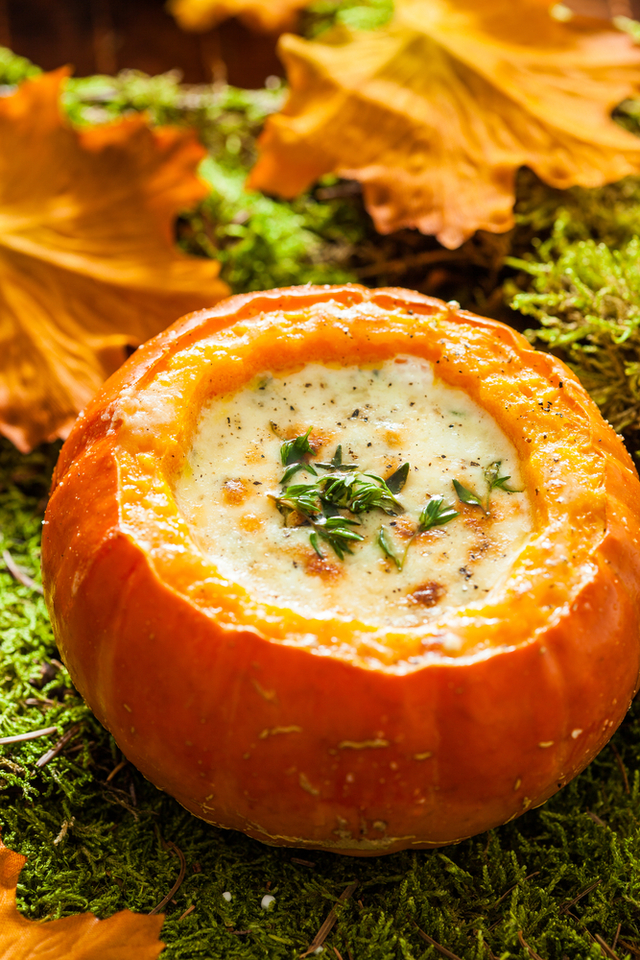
[{"x": 383, "y": 416}]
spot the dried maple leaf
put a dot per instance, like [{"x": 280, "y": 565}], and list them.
[
  {"x": 124, "y": 936},
  {"x": 264, "y": 15},
  {"x": 88, "y": 265},
  {"x": 435, "y": 112}
]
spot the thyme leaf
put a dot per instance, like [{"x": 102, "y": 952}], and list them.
[
  {"x": 336, "y": 532},
  {"x": 436, "y": 513},
  {"x": 387, "y": 549},
  {"x": 468, "y": 496},
  {"x": 397, "y": 480},
  {"x": 292, "y": 451},
  {"x": 495, "y": 481},
  {"x": 336, "y": 462}
]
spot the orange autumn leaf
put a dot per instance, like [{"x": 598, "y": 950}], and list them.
[
  {"x": 124, "y": 936},
  {"x": 267, "y": 16},
  {"x": 88, "y": 264},
  {"x": 435, "y": 112}
]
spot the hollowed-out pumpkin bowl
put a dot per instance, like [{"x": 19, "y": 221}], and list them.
[{"x": 325, "y": 730}]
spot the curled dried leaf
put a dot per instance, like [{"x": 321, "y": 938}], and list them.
[
  {"x": 435, "y": 112},
  {"x": 265, "y": 15},
  {"x": 88, "y": 264},
  {"x": 125, "y": 935}
]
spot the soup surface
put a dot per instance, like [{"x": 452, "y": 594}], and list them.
[{"x": 427, "y": 543}]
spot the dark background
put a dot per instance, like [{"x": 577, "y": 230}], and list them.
[{"x": 104, "y": 36}]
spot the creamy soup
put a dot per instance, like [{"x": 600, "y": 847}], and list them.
[{"x": 426, "y": 545}]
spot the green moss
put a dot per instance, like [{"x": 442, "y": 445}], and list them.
[
  {"x": 15, "y": 69},
  {"x": 322, "y": 15},
  {"x": 582, "y": 286}
]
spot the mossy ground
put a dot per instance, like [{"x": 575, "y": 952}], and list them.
[{"x": 99, "y": 837}]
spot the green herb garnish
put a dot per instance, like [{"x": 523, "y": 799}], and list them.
[
  {"x": 292, "y": 453},
  {"x": 468, "y": 496},
  {"x": 345, "y": 488},
  {"x": 387, "y": 549},
  {"x": 360, "y": 492},
  {"x": 436, "y": 513},
  {"x": 397, "y": 480},
  {"x": 495, "y": 481},
  {"x": 336, "y": 462},
  {"x": 335, "y": 531}
]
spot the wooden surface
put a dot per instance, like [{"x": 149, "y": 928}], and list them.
[{"x": 104, "y": 36}]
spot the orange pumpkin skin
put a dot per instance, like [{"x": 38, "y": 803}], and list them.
[{"x": 351, "y": 746}]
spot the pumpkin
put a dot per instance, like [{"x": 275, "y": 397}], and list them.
[{"x": 319, "y": 729}]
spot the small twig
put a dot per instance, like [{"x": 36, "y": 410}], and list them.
[
  {"x": 630, "y": 947},
  {"x": 595, "y": 818},
  {"x": 18, "y": 573},
  {"x": 183, "y": 869},
  {"x": 337, "y": 953},
  {"x": 532, "y": 953},
  {"x": 329, "y": 923},
  {"x": 57, "y": 747},
  {"x": 348, "y": 188},
  {"x": 116, "y": 770},
  {"x": 621, "y": 767},
  {"x": 606, "y": 949},
  {"x": 437, "y": 946},
  {"x": 303, "y": 863},
  {"x": 187, "y": 912},
  {"x": 615, "y": 939},
  {"x": 492, "y": 955},
  {"x": 403, "y": 264},
  {"x": 511, "y": 889},
  {"x": 33, "y": 735},
  {"x": 570, "y": 903},
  {"x": 43, "y": 702}
]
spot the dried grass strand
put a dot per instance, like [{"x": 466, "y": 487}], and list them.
[
  {"x": 438, "y": 946},
  {"x": 32, "y": 735},
  {"x": 330, "y": 921},
  {"x": 606, "y": 949},
  {"x": 116, "y": 770},
  {"x": 174, "y": 889},
  {"x": 523, "y": 943},
  {"x": 570, "y": 903},
  {"x": 621, "y": 767},
  {"x": 19, "y": 574},
  {"x": 57, "y": 747}
]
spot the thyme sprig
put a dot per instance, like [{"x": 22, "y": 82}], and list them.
[
  {"x": 470, "y": 497},
  {"x": 494, "y": 482},
  {"x": 388, "y": 550},
  {"x": 343, "y": 488},
  {"x": 346, "y": 488},
  {"x": 359, "y": 493},
  {"x": 292, "y": 456},
  {"x": 435, "y": 514},
  {"x": 336, "y": 462}
]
